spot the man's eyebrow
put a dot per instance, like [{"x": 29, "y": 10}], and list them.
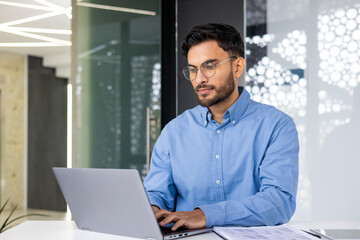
[{"x": 207, "y": 61}]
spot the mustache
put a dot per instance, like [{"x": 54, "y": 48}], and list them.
[{"x": 204, "y": 86}]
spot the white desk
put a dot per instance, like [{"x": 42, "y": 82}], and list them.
[
  {"x": 330, "y": 225},
  {"x": 67, "y": 230}
]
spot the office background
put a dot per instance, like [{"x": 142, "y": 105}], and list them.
[{"x": 125, "y": 84}]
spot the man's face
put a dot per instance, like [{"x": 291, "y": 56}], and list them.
[{"x": 214, "y": 90}]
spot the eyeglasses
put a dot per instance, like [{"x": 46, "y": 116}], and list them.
[{"x": 208, "y": 69}]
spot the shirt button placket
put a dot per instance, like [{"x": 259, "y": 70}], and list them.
[
  {"x": 218, "y": 164},
  {"x": 217, "y": 156}
]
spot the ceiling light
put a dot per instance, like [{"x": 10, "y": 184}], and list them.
[
  {"x": 51, "y": 5},
  {"x": 38, "y": 30},
  {"x": 68, "y": 12},
  {"x": 54, "y": 10},
  {"x": 39, "y": 37},
  {"x": 37, "y": 7},
  {"x": 29, "y": 44},
  {"x": 120, "y": 9},
  {"x": 31, "y": 19}
]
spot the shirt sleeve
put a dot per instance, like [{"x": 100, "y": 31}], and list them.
[
  {"x": 278, "y": 176},
  {"x": 159, "y": 184}
]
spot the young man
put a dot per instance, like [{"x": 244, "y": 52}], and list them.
[{"x": 229, "y": 160}]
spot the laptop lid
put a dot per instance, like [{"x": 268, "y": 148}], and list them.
[{"x": 108, "y": 201}]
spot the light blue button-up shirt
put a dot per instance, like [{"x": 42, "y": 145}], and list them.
[{"x": 242, "y": 172}]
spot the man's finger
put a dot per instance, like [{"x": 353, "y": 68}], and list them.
[
  {"x": 173, "y": 217},
  {"x": 178, "y": 224},
  {"x": 162, "y": 213}
]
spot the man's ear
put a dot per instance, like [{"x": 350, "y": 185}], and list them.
[{"x": 239, "y": 67}]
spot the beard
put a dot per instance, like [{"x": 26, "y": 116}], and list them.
[{"x": 222, "y": 93}]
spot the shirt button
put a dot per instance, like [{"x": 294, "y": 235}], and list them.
[
  {"x": 217, "y": 156},
  {"x": 217, "y": 181},
  {"x": 233, "y": 121},
  {"x": 218, "y": 131},
  {"x": 205, "y": 122}
]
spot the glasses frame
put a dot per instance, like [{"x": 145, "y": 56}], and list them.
[{"x": 201, "y": 69}]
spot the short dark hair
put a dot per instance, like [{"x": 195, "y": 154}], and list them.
[{"x": 227, "y": 37}]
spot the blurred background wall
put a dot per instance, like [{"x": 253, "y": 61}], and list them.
[{"x": 12, "y": 126}]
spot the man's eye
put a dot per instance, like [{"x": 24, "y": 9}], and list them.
[
  {"x": 209, "y": 66},
  {"x": 193, "y": 70}
]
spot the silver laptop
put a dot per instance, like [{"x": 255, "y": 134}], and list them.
[{"x": 112, "y": 201}]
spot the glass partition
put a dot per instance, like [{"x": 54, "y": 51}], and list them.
[
  {"x": 118, "y": 85},
  {"x": 303, "y": 58}
]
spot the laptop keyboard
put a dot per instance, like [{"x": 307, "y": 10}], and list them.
[{"x": 167, "y": 230}]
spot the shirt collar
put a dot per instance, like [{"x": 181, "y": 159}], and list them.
[{"x": 236, "y": 110}]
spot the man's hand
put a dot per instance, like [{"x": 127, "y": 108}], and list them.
[
  {"x": 155, "y": 208},
  {"x": 191, "y": 219}
]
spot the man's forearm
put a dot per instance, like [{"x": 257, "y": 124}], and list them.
[
  {"x": 155, "y": 208},
  {"x": 270, "y": 207}
]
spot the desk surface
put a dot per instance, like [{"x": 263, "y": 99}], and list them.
[{"x": 67, "y": 230}]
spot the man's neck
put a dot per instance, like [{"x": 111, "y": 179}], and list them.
[{"x": 218, "y": 110}]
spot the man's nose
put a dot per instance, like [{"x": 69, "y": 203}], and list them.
[{"x": 200, "y": 77}]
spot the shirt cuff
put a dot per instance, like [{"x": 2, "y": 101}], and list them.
[
  {"x": 214, "y": 215},
  {"x": 157, "y": 201}
]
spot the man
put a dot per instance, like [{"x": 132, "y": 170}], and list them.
[{"x": 229, "y": 160}]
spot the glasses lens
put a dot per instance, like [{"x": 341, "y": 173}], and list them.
[
  {"x": 208, "y": 69},
  {"x": 186, "y": 73},
  {"x": 190, "y": 73}
]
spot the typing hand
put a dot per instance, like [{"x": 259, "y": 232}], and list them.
[
  {"x": 190, "y": 219},
  {"x": 155, "y": 208}
]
